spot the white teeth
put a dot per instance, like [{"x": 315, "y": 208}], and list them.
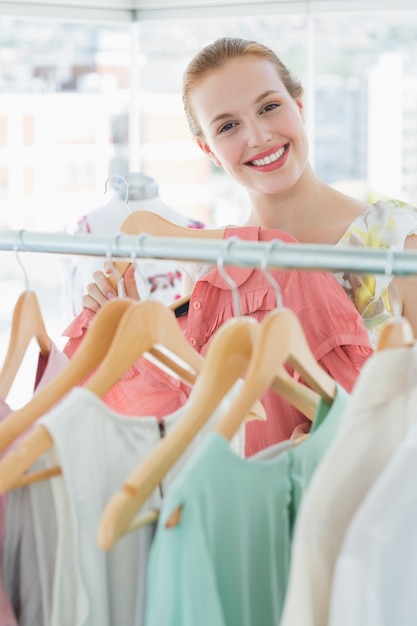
[{"x": 271, "y": 158}]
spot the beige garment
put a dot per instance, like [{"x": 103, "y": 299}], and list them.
[
  {"x": 381, "y": 409},
  {"x": 374, "y": 581}
]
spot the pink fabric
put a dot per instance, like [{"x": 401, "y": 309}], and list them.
[
  {"x": 333, "y": 328},
  {"x": 143, "y": 390},
  {"x": 49, "y": 367}
]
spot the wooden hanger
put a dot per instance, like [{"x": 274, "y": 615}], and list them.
[
  {"x": 161, "y": 341},
  {"x": 88, "y": 356},
  {"x": 231, "y": 350},
  {"x": 153, "y": 224},
  {"x": 281, "y": 341},
  {"x": 27, "y": 324},
  {"x": 397, "y": 333},
  {"x": 146, "y": 222},
  {"x": 149, "y": 328},
  {"x": 109, "y": 355},
  {"x": 117, "y": 323},
  {"x": 226, "y": 360}
]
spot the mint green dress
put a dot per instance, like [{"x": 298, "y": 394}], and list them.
[{"x": 227, "y": 561}]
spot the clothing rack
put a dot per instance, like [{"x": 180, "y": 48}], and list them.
[{"x": 233, "y": 251}]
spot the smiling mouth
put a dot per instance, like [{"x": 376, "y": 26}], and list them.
[{"x": 270, "y": 158}]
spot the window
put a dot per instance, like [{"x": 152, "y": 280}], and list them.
[
  {"x": 77, "y": 107},
  {"x": 64, "y": 100}
]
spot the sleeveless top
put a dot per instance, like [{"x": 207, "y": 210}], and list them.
[{"x": 383, "y": 225}]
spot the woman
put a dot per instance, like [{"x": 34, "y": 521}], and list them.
[{"x": 245, "y": 111}]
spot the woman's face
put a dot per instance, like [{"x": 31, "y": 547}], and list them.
[{"x": 252, "y": 127}]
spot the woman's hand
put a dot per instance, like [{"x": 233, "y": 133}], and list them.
[{"x": 101, "y": 290}]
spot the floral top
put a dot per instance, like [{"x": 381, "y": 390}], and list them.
[{"x": 383, "y": 225}]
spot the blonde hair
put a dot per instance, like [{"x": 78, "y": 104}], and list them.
[{"x": 219, "y": 52}]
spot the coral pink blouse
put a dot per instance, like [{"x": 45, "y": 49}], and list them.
[{"x": 333, "y": 328}]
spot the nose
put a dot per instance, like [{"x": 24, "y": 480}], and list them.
[{"x": 258, "y": 133}]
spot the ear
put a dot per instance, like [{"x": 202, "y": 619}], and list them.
[
  {"x": 207, "y": 151},
  {"x": 299, "y": 103}
]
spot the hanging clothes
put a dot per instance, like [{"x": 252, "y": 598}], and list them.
[
  {"x": 96, "y": 449},
  {"x": 29, "y": 546},
  {"x": 143, "y": 390},
  {"x": 376, "y": 569},
  {"x": 333, "y": 327},
  {"x": 378, "y": 417},
  {"x": 21, "y": 565},
  {"x": 227, "y": 560},
  {"x": 7, "y": 615}
]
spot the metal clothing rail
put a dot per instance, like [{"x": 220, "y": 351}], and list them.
[{"x": 233, "y": 251}]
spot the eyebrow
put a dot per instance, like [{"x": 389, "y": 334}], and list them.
[{"x": 263, "y": 95}]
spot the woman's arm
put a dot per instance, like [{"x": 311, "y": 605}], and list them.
[{"x": 405, "y": 290}]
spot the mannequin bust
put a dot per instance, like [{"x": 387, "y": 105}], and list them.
[{"x": 134, "y": 191}]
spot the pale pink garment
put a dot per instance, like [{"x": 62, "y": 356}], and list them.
[{"x": 333, "y": 327}]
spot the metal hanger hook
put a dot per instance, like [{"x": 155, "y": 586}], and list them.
[
  {"x": 228, "y": 279},
  {"x": 109, "y": 260},
  {"x": 126, "y": 185},
  {"x": 265, "y": 262},
  {"x": 139, "y": 244},
  {"x": 19, "y": 260}
]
